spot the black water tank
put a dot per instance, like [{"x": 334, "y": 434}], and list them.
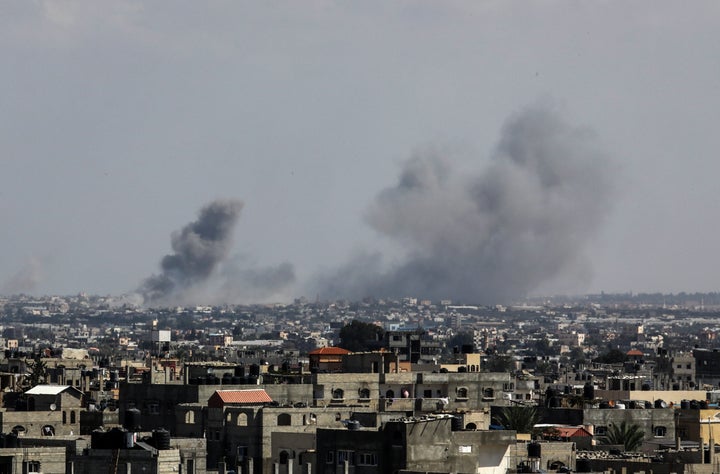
[
  {"x": 534, "y": 450},
  {"x": 703, "y": 404},
  {"x": 684, "y": 404},
  {"x": 227, "y": 379},
  {"x": 253, "y": 380},
  {"x": 694, "y": 405},
  {"x": 456, "y": 423},
  {"x": 12, "y": 440},
  {"x": 235, "y": 380},
  {"x": 240, "y": 371},
  {"x": 132, "y": 420},
  {"x": 161, "y": 439},
  {"x": 659, "y": 403},
  {"x": 97, "y": 438},
  {"x": 588, "y": 391},
  {"x": 115, "y": 439},
  {"x": 583, "y": 465},
  {"x": 353, "y": 425}
]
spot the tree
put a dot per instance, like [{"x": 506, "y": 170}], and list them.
[
  {"x": 628, "y": 436},
  {"x": 613, "y": 356},
  {"x": 359, "y": 336},
  {"x": 519, "y": 418},
  {"x": 38, "y": 372},
  {"x": 499, "y": 363}
]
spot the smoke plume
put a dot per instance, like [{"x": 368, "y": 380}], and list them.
[
  {"x": 490, "y": 237},
  {"x": 26, "y": 279},
  {"x": 201, "y": 270},
  {"x": 198, "y": 249}
]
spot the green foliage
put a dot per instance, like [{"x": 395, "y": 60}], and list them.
[
  {"x": 38, "y": 372},
  {"x": 359, "y": 336},
  {"x": 613, "y": 356},
  {"x": 499, "y": 363},
  {"x": 628, "y": 436},
  {"x": 519, "y": 418}
]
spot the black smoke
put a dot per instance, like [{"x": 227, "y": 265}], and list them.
[
  {"x": 490, "y": 236},
  {"x": 198, "y": 249},
  {"x": 201, "y": 269}
]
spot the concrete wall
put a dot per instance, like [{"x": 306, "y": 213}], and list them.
[{"x": 648, "y": 420}]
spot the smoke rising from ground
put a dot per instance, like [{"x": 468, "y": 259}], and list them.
[
  {"x": 201, "y": 270},
  {"x": 492, "y": 237},
  {"x": 26, "y": 279}
]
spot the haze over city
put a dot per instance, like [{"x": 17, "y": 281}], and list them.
[{"x": 256, "y": 151}]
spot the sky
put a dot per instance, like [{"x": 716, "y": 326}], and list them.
[{"x": 123, "y": 121}]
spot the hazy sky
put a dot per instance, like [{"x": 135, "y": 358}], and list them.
[{"x": 120, "y": 120}]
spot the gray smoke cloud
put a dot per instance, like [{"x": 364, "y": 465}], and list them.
[
  {"x": 201, "y": 270},
  {"x": 490, "y": 237},
  {"x": 198, "y": 249},
  {"x": 26, "y": 279}
]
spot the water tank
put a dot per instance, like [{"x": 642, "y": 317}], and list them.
[
  {"x": 240, "y": 371},
  {"x": 620, "y": 406},
  {"x": 97, "y": 438},
  {"x": 703, "y": 404},
  {"x": 583, "y": 465},
  {"x": 235, "y": 380},
  {"x": 660, "y": 404},
  {"x": 588, "y": 391},
  {"x": 227, "y": 379},
  {"x": 253, "y": 380},
  {"x": 684, "y": 404},
  {"x": 115, "y": 438},
  {"x": 161, "y": 439},
  {"x": 534, "y": 450},
  {"x": 12, "y": 441},
  {"x": 456, "y": 423},
  {"x": 353, "y": 425},
  {"x": 132, "y": 420},
  {"x": 201, "y": 381}
]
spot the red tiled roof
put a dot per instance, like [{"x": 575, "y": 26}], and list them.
[
  {"x": 572, "y": 431},
  {"x": 238, "y": 397},
  {"x": 634, "y": 352},
  {"x": 329, "y": 351}
]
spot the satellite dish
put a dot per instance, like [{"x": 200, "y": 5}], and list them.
[{"x": 53, "y": 407}]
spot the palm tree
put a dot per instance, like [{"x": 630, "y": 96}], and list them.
[
  {"x": 629, "y": 436},
  {"x": 519, "y": 418}
]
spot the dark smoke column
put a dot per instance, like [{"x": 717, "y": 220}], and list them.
[{"x": 197, "y": 250}]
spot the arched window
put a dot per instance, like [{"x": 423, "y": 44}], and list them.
[
  {"x": 389, "y": 394},
  {"x": 72, "y": 417},
  {"x": 471, "y": 426},
  {"x": 462, "y": 392},
  {"x": 364, "y": 393},
  {"x": 242, "y": 419},
  {"x": 228, "y": 417},
  {"x": 338, "y": 394},
  {"x": 64, "y": 417},
  {"x": 190, "y": 417},
  {"x": 48, "y": 430},
  {"x": 284, "y": 419},
  {"x": 489, "y": 393},
  {"x": 660, "y": 431},
  {"x": 284, "y": 457}
]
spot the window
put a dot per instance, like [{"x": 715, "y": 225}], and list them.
[
  {"x": 228, "y": 417},
  {"x": 488, "y": 394},
  {"x": 508, "y": 387},
  {"x": 72, "y": 417},
  {"x": 329, "y": 457},
  {"x": 427, "y": 393},
  {"x": 389, "y": 394},
  {"x": 241, "y": 419},
  {"x": 465, "y": 449},
  {"x": 284, "y": 419},
  {"x": 64, "y": 417},
  {"x": 242, "y": 452},
  {"x": 364, "y": 393},
  {"x": 660, "y": 431},
  {"x": 338, "y": 394},
  {"x": 462, "y": 392},
  {"x": 153, "y": 408},
  {"x": 367, "y": 459},
  {"x": 518, "y": 396},
  {"x": 601, "y": 430},
  {"x": 190, "y": 417},
  {"x": 345, "y": 455},
  {"x": 48, "y": 430},
  {"x": 284, "y": 456},
  {"x": 31, "y": 466}
]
